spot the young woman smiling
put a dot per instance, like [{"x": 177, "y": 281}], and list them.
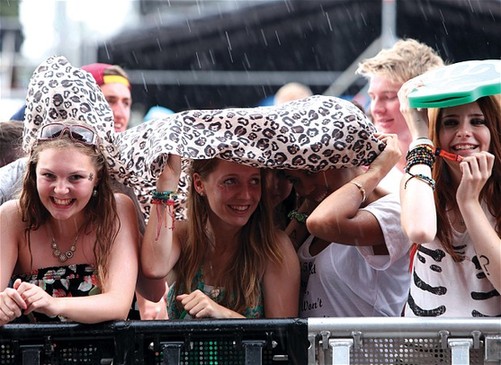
[{"x": 227, "y": 259}]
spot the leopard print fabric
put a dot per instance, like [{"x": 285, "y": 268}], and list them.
[{"x": 316, "y": 133}]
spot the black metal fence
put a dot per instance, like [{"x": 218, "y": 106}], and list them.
[{"x": 336, "y": 341}]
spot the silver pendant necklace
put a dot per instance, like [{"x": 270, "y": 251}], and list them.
[{"x": 63, "y": 256}]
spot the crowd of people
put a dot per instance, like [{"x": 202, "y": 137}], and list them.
[{"x": 396, "y": 212}]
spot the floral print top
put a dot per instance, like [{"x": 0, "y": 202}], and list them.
[
  {"x": 175, "y": 310},
  {"x": 61, "y": 281}
]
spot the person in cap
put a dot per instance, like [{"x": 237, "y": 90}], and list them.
[{"x": 115, "y": 85}]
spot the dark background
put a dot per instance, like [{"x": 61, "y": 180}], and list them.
[{"x": 294, "y": 35}]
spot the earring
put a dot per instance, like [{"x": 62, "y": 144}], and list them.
[{"x": 94, "y": 193}]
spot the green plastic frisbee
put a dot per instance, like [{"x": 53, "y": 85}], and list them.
[{"x": 457, "y": 84}]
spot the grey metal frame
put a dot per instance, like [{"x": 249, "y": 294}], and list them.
[{"x": 332, "y": 340}]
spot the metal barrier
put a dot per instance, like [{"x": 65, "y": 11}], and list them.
[
  {"x": 407, "y": 341},
  {"x": 320, "y": 341}
]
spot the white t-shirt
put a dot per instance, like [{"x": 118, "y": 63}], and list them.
[
  {"x": 443, "y": 287},
  {"x": 349, "y": 281}
]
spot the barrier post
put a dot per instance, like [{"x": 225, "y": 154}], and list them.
[{"x": 31, "y": 354}]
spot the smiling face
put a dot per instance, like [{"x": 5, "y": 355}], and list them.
[
  {"x": 463, "y": 130},
  {"x": 118, "y": 97},
  {"x": 385, "y": 107},
  {"x": 233, "y": 192},
  {"x": 65, "y": 179}
]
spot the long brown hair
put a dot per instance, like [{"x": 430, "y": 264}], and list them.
[
  {"x": 257, "y": 245},
  {"x": 445, "y": 197},
  {"x": 101, "y": 210}
]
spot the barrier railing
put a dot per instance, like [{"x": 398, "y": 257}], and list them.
[{"x": 333, "y": 341}]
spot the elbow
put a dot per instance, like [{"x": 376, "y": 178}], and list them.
[
  {"x": 317, "y": 226},
  {"x": 420, "y": 234},
  {"x": 152, "y": 273}
]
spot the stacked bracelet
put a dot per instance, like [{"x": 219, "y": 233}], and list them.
[
  {"x": 300, "y": 217},
  {"x": 420, "y": 155}
]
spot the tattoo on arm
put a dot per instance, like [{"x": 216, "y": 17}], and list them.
[
  {"x": 91, "y": 176},
  {"x": 484, "y": 261}
]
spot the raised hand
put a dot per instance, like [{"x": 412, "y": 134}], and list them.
[
  {"x": 169, "y": 178},
  {"x": 390, "y": 155},
  {"x": 417, "y": 119},
  {"x": 476, "y": 169}
]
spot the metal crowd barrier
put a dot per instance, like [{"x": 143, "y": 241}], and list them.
[{"x": 358, "y": 341}]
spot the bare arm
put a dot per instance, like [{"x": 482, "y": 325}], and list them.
[
  {"x": 418, "y": 217},
  {"x": 160, "y": 248},
  {"x": 11, "y": 302},
  {"x": 476, "y": 171},
  {"x": 281, "y": 283},
  {"x": 338, "y": 217}
]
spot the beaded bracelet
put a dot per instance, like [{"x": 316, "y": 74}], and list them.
[
  {"x": 420, "y": 155},
  {"x": 300, "y": 217},
  {"x": 426, "y": 179}
]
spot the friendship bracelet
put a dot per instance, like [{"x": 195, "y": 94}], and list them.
[
  {"x": 361, "y": 189},
  {"x": 167, "y": 199},
  {"x": 163, "y": 195},
  {"x": 300, "y": 217},
  {"x": 426, "y": 179}
]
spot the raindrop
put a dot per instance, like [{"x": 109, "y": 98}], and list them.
[
  {"x": 264, "y": 37},
  {"x": 363, "y": 19},
  {"x": 328, "y": 21},
  {"x": 212, "y": 58},
  {"x": 278, "y": 38},
  {"x": 145, "y": 84},
  {"x": 228, "y": 40},
  {"x": 198, "y": 60},
  {"x": 159, "y": 45},
  {"x": 443, "y": 22},
  {"x": 107, "y": 50}
]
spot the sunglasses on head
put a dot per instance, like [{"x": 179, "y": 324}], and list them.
[{"x": 76, "y": 132}]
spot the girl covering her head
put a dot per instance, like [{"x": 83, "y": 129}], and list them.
[{"x": 66, "y": 240}]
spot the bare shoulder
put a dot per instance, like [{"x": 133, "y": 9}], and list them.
[
  {"x": 10, "y": 217},
  {"x": 123, "y": 200},
  {"x": 282, "y": 238}
]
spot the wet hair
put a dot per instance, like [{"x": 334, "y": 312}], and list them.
[
  {"x": 101, "y": 211},
  {"x": 445, "y": 197},
  {"x": 256, "y": 246},
  {"x": 407, "y": 59}
]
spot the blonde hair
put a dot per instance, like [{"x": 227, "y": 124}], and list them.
[{"x": 407, "y": 59}]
